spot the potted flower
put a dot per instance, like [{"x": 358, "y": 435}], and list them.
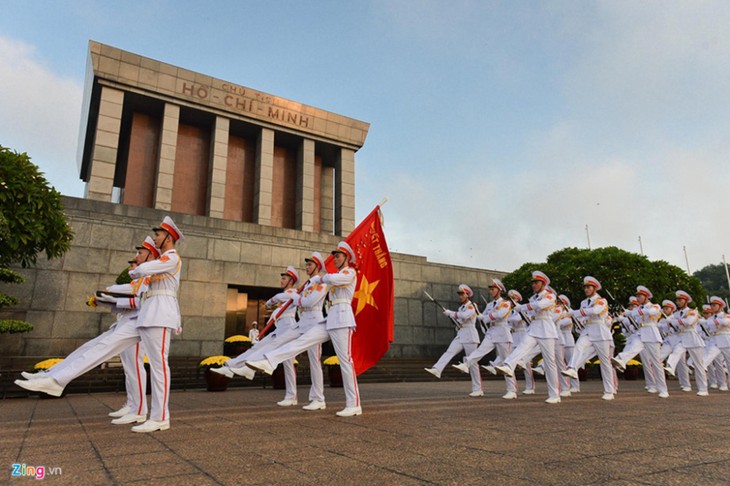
[
  {"x": 277, "y": 377},
  {"x": 214, "y": 381},
  {"x": 44, "y": 366},
  {"x": 235, "y": 345},
  {"x": 334, "y": 371},
  {"x": 632, "y": 370}
]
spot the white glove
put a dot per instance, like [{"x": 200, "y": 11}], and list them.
[
  {"x": 270, "y": 303},
  {"x": 575, "y": 313},
  {"x": 521, "y": 308},
  {"x": 316, "y": 280},
  {"x": 448, "y": 313},
  {"x": 107, "y": 299},
  {"x": 178, "y": 331}
]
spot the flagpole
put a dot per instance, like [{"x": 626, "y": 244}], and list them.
[
  {"x": 727, "y": 273},
  {"x": 382, "y": 203}
]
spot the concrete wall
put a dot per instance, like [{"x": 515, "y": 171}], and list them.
[{"x": 216, "y": 253}]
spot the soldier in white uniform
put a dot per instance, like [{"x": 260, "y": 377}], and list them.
[
  {"x": 686, "y": 319},
  {"x": 565, "y": 326},
  {"x": 647, "y": 315},
  {"x": 495, "y": 315},
  {"x": 312, "y": 324},
  {"x": 519, "y": 331},
  {"x": 719, "y": 325},
  {"x": 542, "y": 332},
  {"x": 159, "y": 318},
  {"x": 341, "y": 321},
  {"x": 672, "y": 341},
  {"x": 287, "y": 330},
  {"x": 253, "y": 334},
  {"x": 96, "y": 351},
  {"x": 716, "y": 369},
  {"x": 594, "y": 314},
  {"x": 466, "y": 340}
]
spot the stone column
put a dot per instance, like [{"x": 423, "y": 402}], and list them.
[
  {"x": 219, "y": 157},
  {"x": 264, "y": 177},
  {"x": 168, "y": 148},
  {"x": 305, "y": 186},
  {"x": 106, "y": 145},
  {"x": 345, "y": 192},
  {"x": 326, "y": 220}
]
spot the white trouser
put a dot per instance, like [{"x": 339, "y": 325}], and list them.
[
  {"x": 651, "y": 353},
  {"x": 486, "y": 347},
  {"x": 560, "y": 362},
  {"x": 718, "y": 365},
  {"x": 603, "y": 350},
  {"x": 547, "y": 348},
  {"x": 713, "y": 353},
  {"x": 568, "y": 351},
  {"x": 256, "y": 352},
  {"x": 633, "y": 347},
  {"x": 135, "y": 378},
  {"x": 677, "y": 362},
  {"x": 342, "y": 342},
  {"x": 517, "y": 338},
  {"x": 99, "y": 349},
  {"x": 156, "y": 341},
  {"x": 455, "y": 348},
  {"x": 581, "y": 353},
  {"x": 311, "y": 342},
  {"x": 649, "y": 372}
]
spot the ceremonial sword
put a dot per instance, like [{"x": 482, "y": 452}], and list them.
[{"x": 456, "y": 323}]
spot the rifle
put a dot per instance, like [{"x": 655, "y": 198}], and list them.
[
  {"x": 576, "y": 324},
  {"x": 484, "y": 326},
  {"x": 632, "y": 322},
  {"x": 456, "y": 323}
]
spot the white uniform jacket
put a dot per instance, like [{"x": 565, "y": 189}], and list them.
[
  {"x": 466, "y": 316},
  {"x": 647, "y": 316},
  {"x": 720, "y": 325},
  {"x": 686, "y": 320},
  {"x": 342, "y": 288},
  {"x": 496, "y": 314},
  {"x": 309, "y": 304},
  {"x": 160, "y": 307},
  {"x": 542, "y": 325},
  {"x": 594, "y": 312},
  {"x": 565, "y": 326},
  {"x": 285, "y": 318}
]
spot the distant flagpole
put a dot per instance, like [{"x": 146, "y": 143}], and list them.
[
  {"x": 588, "y": 235},
  {"x": 727, "y": 273},
  {"x": 641, "y": 246}
]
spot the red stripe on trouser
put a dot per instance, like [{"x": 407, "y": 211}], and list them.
[
  {"x": 354, "y": 374},
  {"x": 139, "y": 379},
  {"x": 164, "y": 372}
]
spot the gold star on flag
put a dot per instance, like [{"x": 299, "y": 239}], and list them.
[{"x": 364, "y": 294}]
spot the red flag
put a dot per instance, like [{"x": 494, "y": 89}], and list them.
[{"x": 374, "y": 292}]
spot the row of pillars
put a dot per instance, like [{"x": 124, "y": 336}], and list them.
[{"x": 100, "y": 185}]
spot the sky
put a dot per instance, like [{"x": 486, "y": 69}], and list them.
[{"x": 499, "y": 130}]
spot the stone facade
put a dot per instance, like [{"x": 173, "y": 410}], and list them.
[{"x": 217, "y": 253}]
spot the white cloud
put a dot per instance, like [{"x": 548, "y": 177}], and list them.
[{"x": 40, "y": 114}]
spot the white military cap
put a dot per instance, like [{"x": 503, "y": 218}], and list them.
[
  {"x": 564, "y": 299},
  {"x": 538, "y": 275},
  {"x": 149, "y": 244},
  {"x": 717, "y": 300},
  {"x": 316, "y": 258},
  {"x": 513, "y": 294},
  {"x": 681, "y": 294},
  {"x": 344, "y": 248},
  {"x": 592, "y": 281},
  {"x": 643, "y": 290},
  {"x": 169, "y": 225},
  {"x": 669, "y": 303},
  {"x": 498, "y": 283},
  {"x": 466, "y": 289},
  {"x": 291, "y": 272}
]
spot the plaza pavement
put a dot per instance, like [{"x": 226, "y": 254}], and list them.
[{"x": 411, "y": 433}]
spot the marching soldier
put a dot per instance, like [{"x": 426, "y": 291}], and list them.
[
  {"x": 647, "y": 315},
  {"x": 686, "y": 320},
  {"x": 466, "y": 340},
  {"x": 719, "y": 324},
  {"x": 312, "y": 324},
  {"x": 498, "y": 336},
  {"x": 159, "y": 317},
  {"x": 341, "y": 321},
  {"x": 287, "y": 330},
  {"x": 253, "y": 334},
  {"x": 542, "y": 332},
  {"x": 672, "y": 340},
  {"x": 594, "y": 313},
  {"x": 565, "y": 325},
  {"x": 96, "y": 351}
]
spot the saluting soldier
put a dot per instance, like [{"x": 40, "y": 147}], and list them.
[
  {"x": 498, "y": 335},
  {"x": 466, "y": 340}
]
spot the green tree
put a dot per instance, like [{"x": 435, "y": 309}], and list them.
[
  {"x": 714, "y": 280},
  {"x": 31, "y": 222},
  {"x": 619, "y": 272},
  {"x": 31, "y": 213}
]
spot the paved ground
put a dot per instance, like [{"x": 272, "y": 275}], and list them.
[{"x": 410, "y": 433}]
